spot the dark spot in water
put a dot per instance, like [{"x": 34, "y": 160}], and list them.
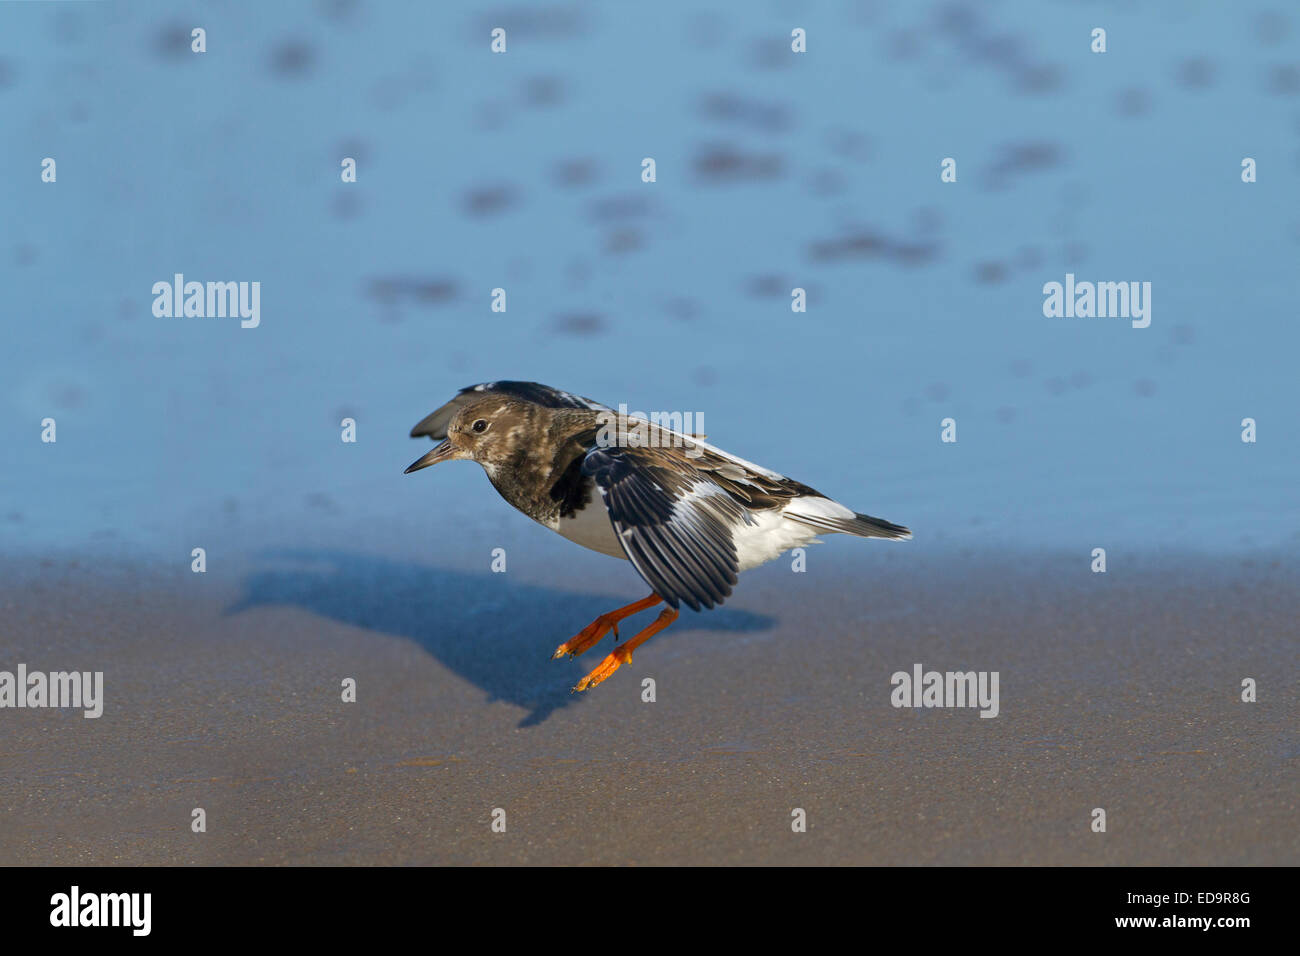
[
  {"x": 25, "y": 254},
  {"x": 354, "y": 147},
  {"x": 1144, "y": 387},
  {"x": 962, "y": 26},
  {"x": 319, "y": 501},
  {"x": 519, "y": 268},
  {"x": 866, "y": 244},
  {"x": 682, "y": 309},
  {"x": 1271, "y": 28},
  {"x": 861, "y": 245},
  {"x": 1039, "y": 78},
  {"x": 580, "y": 323},
  {"x": 719, "y": 164},
  {"x": 744, "y": 111},
  {"x": 489, "y": 200},
  {"x": 937, "y": 392},
  {"x": 1000, "y": 47},
  {"x": 543, "y": 92},
  {"x": 1019, "y": 158},
  {"x": 578, "y": 272},
  {"x": 172, "y": 41},
  {"x": 419, "y": 76},
  {"x": 1195, "y": 73},
  {"x": 1183, "y": 334},
  {"x": 956, "y": 19},
  {"x": 1006, "y": 414},
  {"x": 867, "y": 14},
  {"x": 1029, "y": 257},
  {"x": 338, "y": 9},
  {"x": 990, "y": 272},
  {"x": 624, "y": 240},
  {"x": 432, "y": 291},
  {"x": 1080, "y": 379},
  {"x": 490, "y": 115},
  {"x": 346, "y": 204},
  {"x": 1133, "y": 101},
  {"x": 913, "y": 253},
  {"x": 768, "y": 286},
  {"x": 905, "y": 44},
  {"x": 624, "y": 206},
  {"x": 575, "y": 172},
  {"x": 68, "y": 27},
  {"x": 1076, "y": 252},
  {"x": 292, "y": 59},
  {"x": 396, "y": 290},
  {"x": 827, "y": 182},
  {"x": 772, "y": 53},
  {"x": 1056, "y": 385},
  {"x": 15, "y": 517},
  {"x": 705, "y": 376},
  {"x": 68, "y": 396},
  {"x": 78, "y": 112},
  {"x": 849, "y": 144},
  {"x": 1021, "y": 368},
  {"x": 1283, "y": 79},
  {"x": 704, "y": 31},
  {"x": 927, "y": 220}
]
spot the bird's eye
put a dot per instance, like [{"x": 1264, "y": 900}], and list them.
[{"x": 480, "y": 425}]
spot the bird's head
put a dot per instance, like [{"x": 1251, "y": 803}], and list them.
[{"x": 488, "y": 430}]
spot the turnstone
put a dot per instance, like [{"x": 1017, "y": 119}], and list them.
[{"x": 689, "y": 516}]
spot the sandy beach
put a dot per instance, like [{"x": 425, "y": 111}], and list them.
[{"x": 1118, "y": 691}]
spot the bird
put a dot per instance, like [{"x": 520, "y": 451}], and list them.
[{"x": 688, "y": 516}]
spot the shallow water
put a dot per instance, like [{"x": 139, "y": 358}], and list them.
[{"x": 522, "y": 171}]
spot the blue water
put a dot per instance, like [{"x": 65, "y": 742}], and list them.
[{"x": 774, "y": 170}]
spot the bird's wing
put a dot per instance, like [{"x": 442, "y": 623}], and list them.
[
  {"x": 672, "y": 519},
  {"x": 435, "y": 423}
]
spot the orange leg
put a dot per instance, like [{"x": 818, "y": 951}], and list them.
[
  {"x": 598, "y": 628},
  {"x": 623, "y": 653}
]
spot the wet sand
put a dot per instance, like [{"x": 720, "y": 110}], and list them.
[{"x": 1118, "y": 691}]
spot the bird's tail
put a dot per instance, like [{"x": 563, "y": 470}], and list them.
[
  {"x": 826, "y": 515},
  {"x": 868, "y": 527}
]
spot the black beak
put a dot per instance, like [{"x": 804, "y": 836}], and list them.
[{"x": 441, "y": 452}]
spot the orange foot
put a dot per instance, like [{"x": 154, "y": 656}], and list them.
[
  {"x": 598, "y": 628},
  {"x": 623, "y": 653}
]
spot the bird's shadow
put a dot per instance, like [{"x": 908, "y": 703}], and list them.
[{"x": 489, "y": 628}]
